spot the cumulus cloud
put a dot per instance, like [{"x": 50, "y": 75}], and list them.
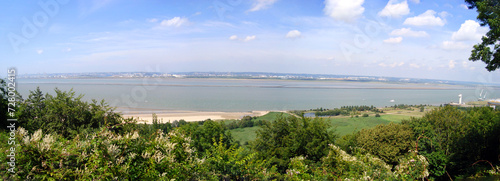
[
  {"x": 394, "y": 9},
  {"x": 408, "y": 32},
  {"x": 342, "y": 10},
  {"x": 261, "y": 4},
  {"x": 233, "y": 37},
  {"x": 464, "y": 6},
  {"x": 451, "y": 64},
  {"x": 293, "y": 34},
  {"x": 174, "y": 22},
  {"x": 453, "y": 45},
  {"x": 394, "y": 40},
  {"x": 250, "y": 38},
  {"x": 469, "y": 30},
  {"x": 427, "y": 18}
]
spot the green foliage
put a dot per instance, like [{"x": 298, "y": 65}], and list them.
[
  {"x": 377, "y": 115},
  {"x": 64, "y": 113},
  {"x": 3, "y": 105},
  {"x": 235, "y": 164},
  {"x": 453, "y": 139},
  {"x": 288, "y": 136},
  {"x": 206, "y": 135},
  {"x": 388, "y": 142},
  {"x": 365, "y": 115},
  {"x": 344, "y": 110},
  {"x": 105, "y": 155},
  {"x": 338, "y": 164},
  {"x": 488, "y": 50}
]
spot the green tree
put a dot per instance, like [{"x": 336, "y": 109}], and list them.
[
  {"x": 454, "y": 139},
  {"x": 488, "y": 50},
  {"x": 388, "y": 142},
  {"x": 64, "y": 113},
  {"x": 3, "y": 104},
  {"x": 288, "y": 136},
  {"x": 206, "y": 135}
]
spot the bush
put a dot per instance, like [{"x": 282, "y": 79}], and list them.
[
  {"x": 389, "y": 142},
  {"x": 365, "y": 115},
  {"x": 454, "y": 139},
  {"x": 288, "y": 136},
  {"x": 64, "y": 113},
  {"x": 377, "y": 115}
]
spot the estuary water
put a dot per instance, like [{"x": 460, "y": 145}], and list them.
[{"x": 231, "y": 95}]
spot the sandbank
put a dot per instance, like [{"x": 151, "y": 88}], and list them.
[{"x": 170, "y": 116}]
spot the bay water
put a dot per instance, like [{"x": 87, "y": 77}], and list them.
[{"x": 231, "y": 95}]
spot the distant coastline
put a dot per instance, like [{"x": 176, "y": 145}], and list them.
[{"x": 246, "y": 75}]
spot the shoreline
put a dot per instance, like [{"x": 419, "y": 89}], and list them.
[{"x": 166, "y": 116}]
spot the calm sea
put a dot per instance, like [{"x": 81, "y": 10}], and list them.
[{"x": 248, "y": 95}]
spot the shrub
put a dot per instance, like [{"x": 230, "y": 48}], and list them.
[
  {"x": 365, "y": 115},
  {"x": 389, "y": 142},
  {"x": 64, "y": 113},
  {"x": 288, "y": 136}
]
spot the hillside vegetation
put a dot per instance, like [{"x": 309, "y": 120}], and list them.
[{"x": 60, "y": 137}]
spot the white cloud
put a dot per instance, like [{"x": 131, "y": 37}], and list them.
[
  {"x": 250, "y": 38},
  {"x": 40, "y": 51},
  {"x": 68, "y": 49},
  {"x": 464, "y": 6},
  {"x": 453, "y": 45},
  {"x": 451, "y": 64},
  {"x": 152, "y": 20},
  {"x": 395, "y": 64},
  {"x": 395, "y": 10},
  {"x": 425, "y": 19},
  {"x": 234, "y": 37},
  {"x": 175, "y": 22},
  {"x": 408, "y": 32},
  {"x": 261, "y": 4},
  {"x": 394, "y": 40},
  {"x": 293, "y": 34},
  {"x": 415, "y": 1},
  {"x": 344, "y": 10},
  {"x": 444, "y": 14},
  {"x": 465, "y": 64},
  {"x": 469, "y": 30},
  {"x": 414, "y": 65}
]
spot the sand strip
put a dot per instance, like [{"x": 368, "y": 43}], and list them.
[{"x": 170, "y": 116}]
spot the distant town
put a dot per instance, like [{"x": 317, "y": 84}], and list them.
[{"x": 243, "y": 75}]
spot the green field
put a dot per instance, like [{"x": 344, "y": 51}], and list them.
[{"x": 340, "y": 124}]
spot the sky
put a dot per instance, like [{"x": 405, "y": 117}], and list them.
[{"x": 395, "y": 38}]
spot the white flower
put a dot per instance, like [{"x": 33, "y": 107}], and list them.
[
  {"x": 36, "y": 136},
  {"x": 113, "y": 150},
  {"x": 22, "y": 132}
]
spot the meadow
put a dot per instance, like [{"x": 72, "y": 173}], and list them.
[{"x": 341, "y": 125}]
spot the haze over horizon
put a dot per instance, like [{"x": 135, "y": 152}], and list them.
[{"x": 395, "y": 38}]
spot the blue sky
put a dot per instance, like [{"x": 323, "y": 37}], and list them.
[{"x": 413, "y": 38}]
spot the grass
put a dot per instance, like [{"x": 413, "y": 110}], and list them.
[
  {"x": 341, "y": 124},
  {"x": 244, "y": 134}
]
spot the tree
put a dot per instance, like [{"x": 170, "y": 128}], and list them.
[
  {"x": 288, "y": 136},
  {"x": 3, "y": 104},
  {"x": 488, "y": 50},
  {"x": 64, "y": 113},
  {"x": 389, "y": 142}
]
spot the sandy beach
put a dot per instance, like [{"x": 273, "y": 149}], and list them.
[{"x": 169, "y": 116}]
